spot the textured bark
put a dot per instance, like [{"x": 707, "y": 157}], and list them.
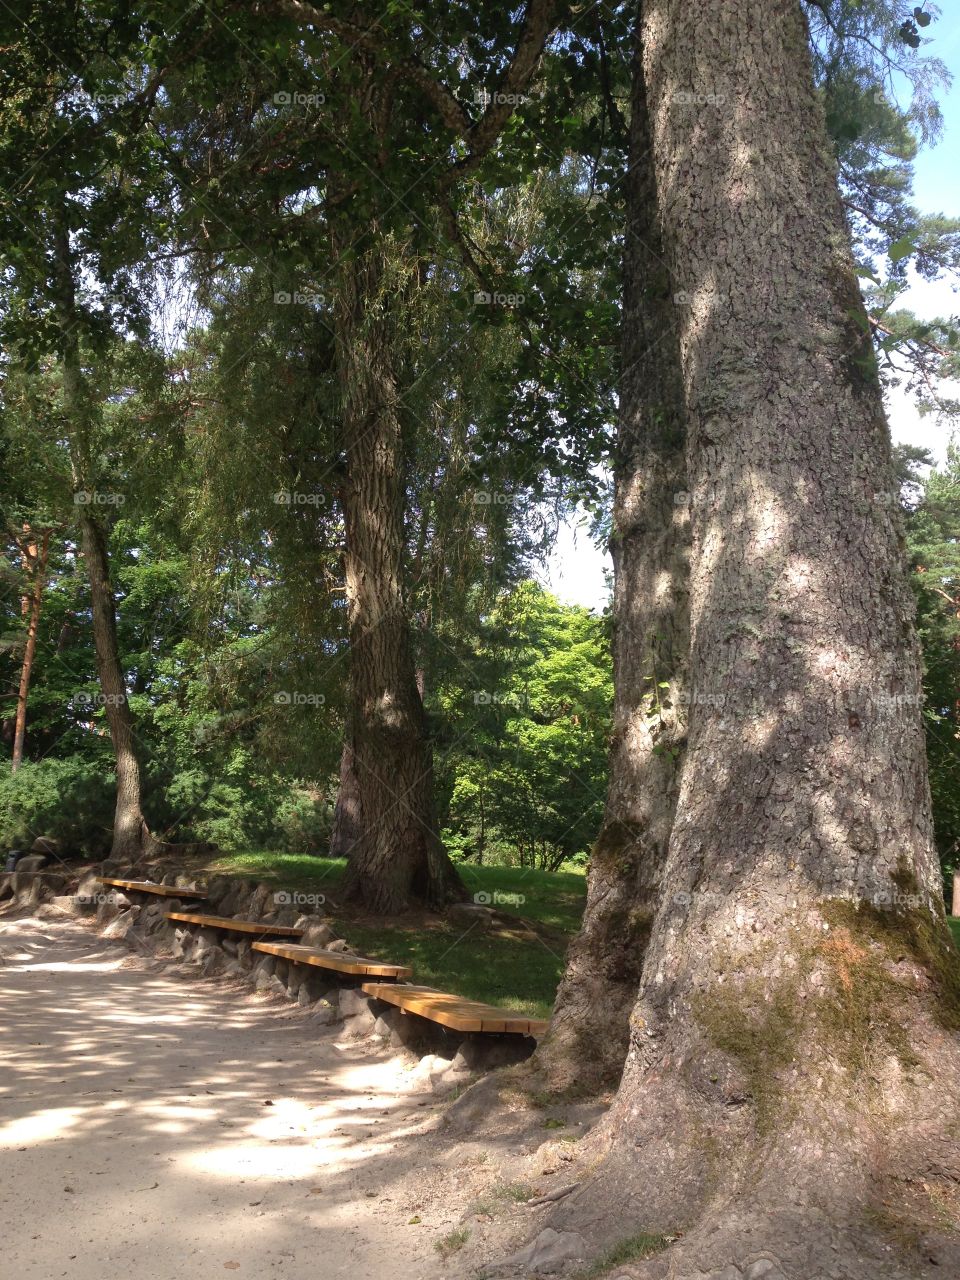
[
  {"x": 587, "y": 1042},
  {"x": 346, "y": 813},
  {"x": 131, "y": 836},
  {"x": 793, "y": 1074},
  {"x": 34, "y": 563},
  {"x": 397, "y": 857}
]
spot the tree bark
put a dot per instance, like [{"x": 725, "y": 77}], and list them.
[
  {"x": 35, "y": 563},
  {"x": 793, "y": 1073},
  {"x": 346, "y": 813},
  {"x": 397, "y": 857},
  {"x": 587, "y": 1042},
  {"x": 132, "y": 838}
]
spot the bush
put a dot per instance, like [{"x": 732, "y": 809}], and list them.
[{"x": 71, "y": 799}]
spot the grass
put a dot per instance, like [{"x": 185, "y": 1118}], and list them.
[
  {"x": 515, "y": 966},
  {"x": 452, "y": 1242},
  {"x": 954, "y": 923},
  {"x": 632, "y": 1249}
]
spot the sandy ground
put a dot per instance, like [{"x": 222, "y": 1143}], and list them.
[{"x": 158, "y": 1126}]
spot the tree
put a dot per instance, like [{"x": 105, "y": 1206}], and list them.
[
  {"x": 799, "y": 980},
  {"x": 933, "y": 522},
  {"x": 588, "y": 1033},
  {"x": 33, "y": 546}
]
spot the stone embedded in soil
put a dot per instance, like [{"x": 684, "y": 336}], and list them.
[
  {"x": 548, "y": 1253},
  {"x": 121, "y": 926}
]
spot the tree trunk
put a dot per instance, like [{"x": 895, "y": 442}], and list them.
[
  {"x": 587, "y": 1042},
  {"x": 793, "y": 1076},
  {"x": 397, "y": 857},
  {"x": 346, "y": 813},
  {"x": 131, "y": 836},
  {"x": 35, "y": 563}
]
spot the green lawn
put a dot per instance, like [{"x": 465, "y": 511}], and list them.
[{"x": 518, "y": 968}]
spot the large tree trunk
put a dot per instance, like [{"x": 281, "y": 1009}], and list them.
[
  {"x": 346, "y": 813},
  {"x": 35, "y": 564},
  {"x": 587, "y": 1042},
  {"x": 793, "y": 1078},
  {"x": 397, "y": 857}
]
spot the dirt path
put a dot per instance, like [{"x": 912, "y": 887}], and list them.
[{"x": 161, "y": 1127}]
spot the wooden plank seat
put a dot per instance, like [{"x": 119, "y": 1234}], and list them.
[
  {"x": 341, "y": 961},
  {"x": 146, "y": 886},
  {"x": 262, "y": 928},
  {"x": 455, "y": 1011}
]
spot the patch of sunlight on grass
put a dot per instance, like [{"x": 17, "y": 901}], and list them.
[{"x": 517, "y": 974}]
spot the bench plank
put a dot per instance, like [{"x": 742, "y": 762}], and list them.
[
  {"x": 145, "y": 886},
  {"x": 456, "y": 1011},
  {"x": 261, "y": 927},
  {"x": 341, "y": 961}
]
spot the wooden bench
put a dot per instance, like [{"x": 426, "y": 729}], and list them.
[
  {"x": 454, "y": 1011},
  {"x": 262, "y": 928},
  {"x": 145, "y": 886},
  {"x": 341, "y": 961}
]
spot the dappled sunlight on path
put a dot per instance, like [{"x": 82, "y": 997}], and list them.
[{"x": 155, "y": 1126}]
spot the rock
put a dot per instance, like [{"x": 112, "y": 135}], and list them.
[
  {"x": 119, "y": 928},
  {"x": 408, "y": 1032},
  {"x": 382, "y": 1027},
  {"x": 271, "y": 984},
  {"x": 471, "y": 914},
  {"x": 359, "y": 1009},
  {"x": 325, "y": 1013},
  {"x": 32, "y": 862},
  {"x": 230, "y": 945},
  {"x": 49, "y": 845},
  {"x": 548, "y": 1253},
  {"x": 354, "y": 1002},
  {"x": 316, "y": 933},
  {"x": 484, "y": 1053},
  {"x": 108, "y": 908},
  {"x": 764, "y": 1269},
  {"x": 67, "y": 904},
  {"x": 214, "y": 961},
  {"x": 313, "y": 986},
  {"x": 261, "y": 901}
]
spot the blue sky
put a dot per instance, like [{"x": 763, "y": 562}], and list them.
[{"x": 575, "y": 571}]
